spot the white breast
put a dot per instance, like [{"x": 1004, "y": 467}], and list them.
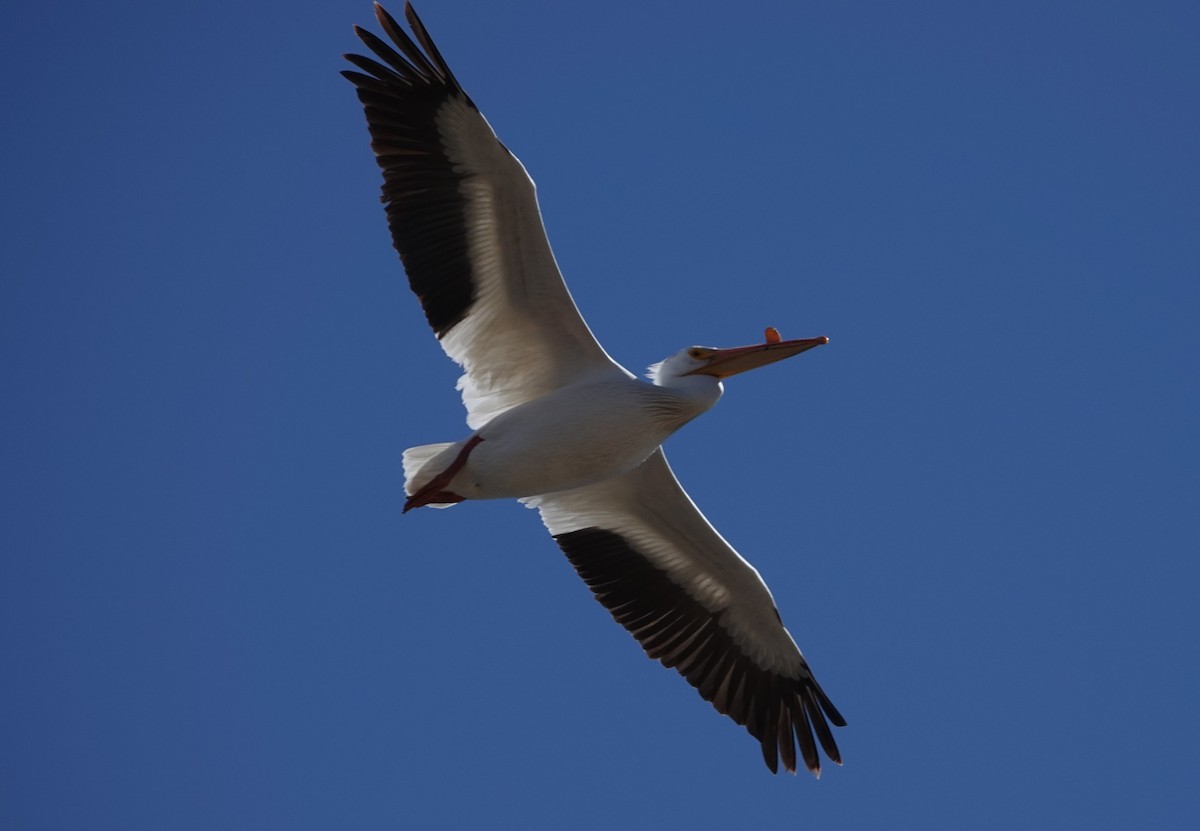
[{"x": 580, "y": 434}]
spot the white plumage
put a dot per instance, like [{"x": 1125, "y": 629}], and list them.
[{"x": 556, "y": 422}]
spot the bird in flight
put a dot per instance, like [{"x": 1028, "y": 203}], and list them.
[{"x": 556, "y": 422}]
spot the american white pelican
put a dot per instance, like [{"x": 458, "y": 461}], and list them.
[{"x": 556, "y": 422}]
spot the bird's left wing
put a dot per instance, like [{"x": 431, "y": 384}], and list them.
[
  {"x": 694, "y": 604},
  {"x": 464, "y": 217}
]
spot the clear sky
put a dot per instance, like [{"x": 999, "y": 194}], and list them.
[{"x": 978, "y": 507}]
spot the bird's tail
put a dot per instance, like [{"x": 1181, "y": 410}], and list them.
[{"x": 418, "y": 470}]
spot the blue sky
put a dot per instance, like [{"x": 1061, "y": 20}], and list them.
[{"x": 977, "y": 507}]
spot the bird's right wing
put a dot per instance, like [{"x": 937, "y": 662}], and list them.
[
  {"x": 694, "y": 604},
  {"x": 464, "y": 217}
]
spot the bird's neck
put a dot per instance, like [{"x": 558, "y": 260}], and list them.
[{"x": 683, "y": 398}]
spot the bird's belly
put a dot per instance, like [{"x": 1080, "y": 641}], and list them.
[{"x": 528, "y": 453}]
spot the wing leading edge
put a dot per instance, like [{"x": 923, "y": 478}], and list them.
[
  {"x": 464, "y": 218},
  {"x": 654, "y": 561}
]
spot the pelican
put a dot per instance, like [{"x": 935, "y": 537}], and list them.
[{"x": 558, "y": 424}]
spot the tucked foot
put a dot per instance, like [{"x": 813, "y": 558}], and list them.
[
  {"x": 420, "y": 500},
  {"x": 434, "y": 491}
]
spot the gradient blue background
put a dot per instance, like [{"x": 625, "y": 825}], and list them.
[{"x": 977, "y": 507}]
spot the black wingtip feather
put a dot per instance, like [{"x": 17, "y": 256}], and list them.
[
  {"x": 824, "y": 734},
  {"x": 770, "y": 752},
  {"x": 428, "y": 45},
  {"x": 390, "y": 56},
  {"x": 402, "y": 94},
  {"x": 787, "y": 746},
  {"x": 827, "y": 706},
  {"x": 802, "y": 727},
  {"x": 781, "y": 712},
  {"x": 410, "y": 50}
]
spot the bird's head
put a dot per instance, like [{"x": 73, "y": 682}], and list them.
[{"x": 700, "y": 361}]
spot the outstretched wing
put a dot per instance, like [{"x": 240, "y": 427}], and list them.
[
  {"x": 694, "y": 604},
  {"x": 464, "y": 217}
]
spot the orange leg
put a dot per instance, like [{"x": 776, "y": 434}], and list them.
[{"x": 434, "y": 491}]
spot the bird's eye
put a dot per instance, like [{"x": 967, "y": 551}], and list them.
[{"x": 698, "y": 353}]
